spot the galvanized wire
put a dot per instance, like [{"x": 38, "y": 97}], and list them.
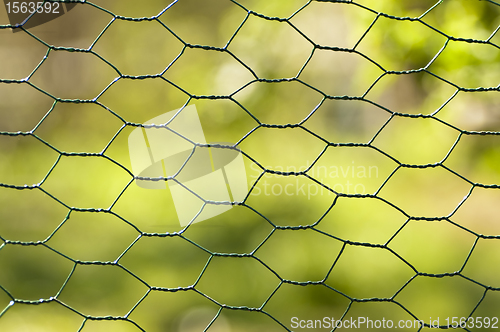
[{"x": 264, "y": 171}]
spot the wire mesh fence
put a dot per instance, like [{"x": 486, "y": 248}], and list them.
[{"x": 368, "y": 134}]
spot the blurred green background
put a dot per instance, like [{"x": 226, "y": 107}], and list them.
[{"x": 45, "y": 232}]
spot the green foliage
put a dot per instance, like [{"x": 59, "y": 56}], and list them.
[{"x": 370, "y": 137}]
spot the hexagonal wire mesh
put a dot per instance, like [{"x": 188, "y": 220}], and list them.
[{"x": 379, "y": 122}]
